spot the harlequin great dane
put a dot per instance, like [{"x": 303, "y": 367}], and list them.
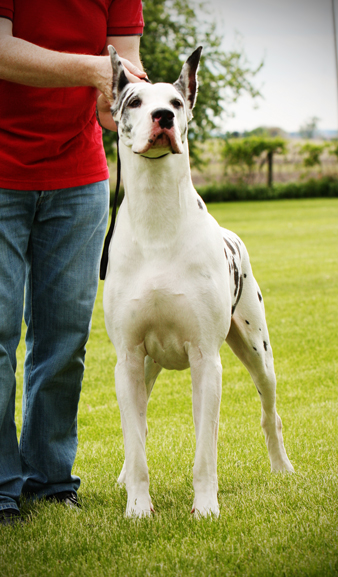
[{"x": 177, "y": 286}]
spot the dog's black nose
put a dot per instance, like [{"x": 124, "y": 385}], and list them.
[{"x": 164, "y": 117}]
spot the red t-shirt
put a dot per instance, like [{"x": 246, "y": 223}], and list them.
[{"x": 49, "y": 137}]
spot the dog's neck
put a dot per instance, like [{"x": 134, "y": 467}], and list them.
[{"x": 158, "y": 193}]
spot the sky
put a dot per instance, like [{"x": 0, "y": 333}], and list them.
[{"x": 295, "y": 40}]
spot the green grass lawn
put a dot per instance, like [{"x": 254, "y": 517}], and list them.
[{"x": 269, "y": 524}]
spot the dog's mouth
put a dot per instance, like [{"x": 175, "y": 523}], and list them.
[{"x": 161, "y": 142}]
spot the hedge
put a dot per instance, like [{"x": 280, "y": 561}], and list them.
[{"x": 326, "y": 187}]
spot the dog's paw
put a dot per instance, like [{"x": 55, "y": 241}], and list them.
[
  {"x": 139, "y": 507},
  {"x": 282, "y": 465},
  {"x": 205, "y": 507}
]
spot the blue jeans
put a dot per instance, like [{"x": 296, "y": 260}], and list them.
[{"x": 50, "y": 248}]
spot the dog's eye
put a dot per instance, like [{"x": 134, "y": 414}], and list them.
[
  {"x": 176, "y": 103},
  {"x": 135, "y": 103}
]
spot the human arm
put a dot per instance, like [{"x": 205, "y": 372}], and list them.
[{"x": 25, "y": 63}]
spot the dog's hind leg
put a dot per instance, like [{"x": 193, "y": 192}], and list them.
[
  {"x": 249, "y": 339},
  {"x": 151, "y": 372}
]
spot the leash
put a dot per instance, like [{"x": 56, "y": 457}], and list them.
[{"x": 104, "y": 257}]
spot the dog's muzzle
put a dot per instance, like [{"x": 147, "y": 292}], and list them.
[
  {"x": 164, "y": 117},
  {"x": 163, "y": 137}
]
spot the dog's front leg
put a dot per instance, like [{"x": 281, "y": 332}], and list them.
[
  {"x": 151, "y": 370},
  {"x": 132, "y": 399},
  {"x": 206, "y": 374}
]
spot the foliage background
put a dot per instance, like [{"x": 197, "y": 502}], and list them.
[{"x": 173, "y": 30}]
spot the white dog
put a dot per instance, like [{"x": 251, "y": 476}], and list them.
[{"x": 177, "y": 286}]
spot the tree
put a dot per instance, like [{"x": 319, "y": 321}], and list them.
[
  {"x": 267, "y": 131},
  {"x": 310, "y": 127},
  {"x": 174, "y": 28},
  {"x": 312, "y": 153},
  {"x": 244, "y": 153},
  {"x": 333, "y": 148}
]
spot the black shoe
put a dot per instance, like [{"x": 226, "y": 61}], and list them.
[
  {"x": 69, "y": 498},
  {"x": 10, "y": 517}
]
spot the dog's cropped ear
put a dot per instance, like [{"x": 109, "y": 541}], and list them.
[
  {"x": 120, "y": 79},
  {"x": 187, "y": 83}
]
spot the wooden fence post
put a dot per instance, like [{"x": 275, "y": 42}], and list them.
[{"x": 270, "y": 168}]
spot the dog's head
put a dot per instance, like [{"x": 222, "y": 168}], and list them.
[{"x": 152, "y": 118}]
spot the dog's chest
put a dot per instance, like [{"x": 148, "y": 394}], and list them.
[
  {"x": 169, "y": 307},
  {"x": 165, "y": 320},
  {"x": 169, "y": 296}
]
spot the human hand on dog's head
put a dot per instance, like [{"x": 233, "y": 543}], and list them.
[
  {"x": 105, "y": 98},
  {"x": 104, "y": 76},
  {"x": 133, "y": 73}
]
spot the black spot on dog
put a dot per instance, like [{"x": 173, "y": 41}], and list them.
[
  {"x": 229, "y": 245},
  {"x": 236, "y": 277},
  {"x": 126, "y": 100},
  {"x": 260, "y": 297},
  {"x": 265, "y": 346},
  {"x": 245, "y": 276},
  {"x": 126, "y": 129},
  {"x": 239, "y": 295},
  {"x": 247, "y": 322},
  {"x": 237, "y": 246},
  {"x": 240, "y": 288},
  {"x": 200, "y": 205},
  {"x": 254, "y": 348},
  {"x": 123, "y": 81}
]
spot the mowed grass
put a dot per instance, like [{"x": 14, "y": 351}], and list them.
[{"x": 270, "y": 524}]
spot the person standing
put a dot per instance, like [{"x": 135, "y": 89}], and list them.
[{"x": 54, "y": 201}]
